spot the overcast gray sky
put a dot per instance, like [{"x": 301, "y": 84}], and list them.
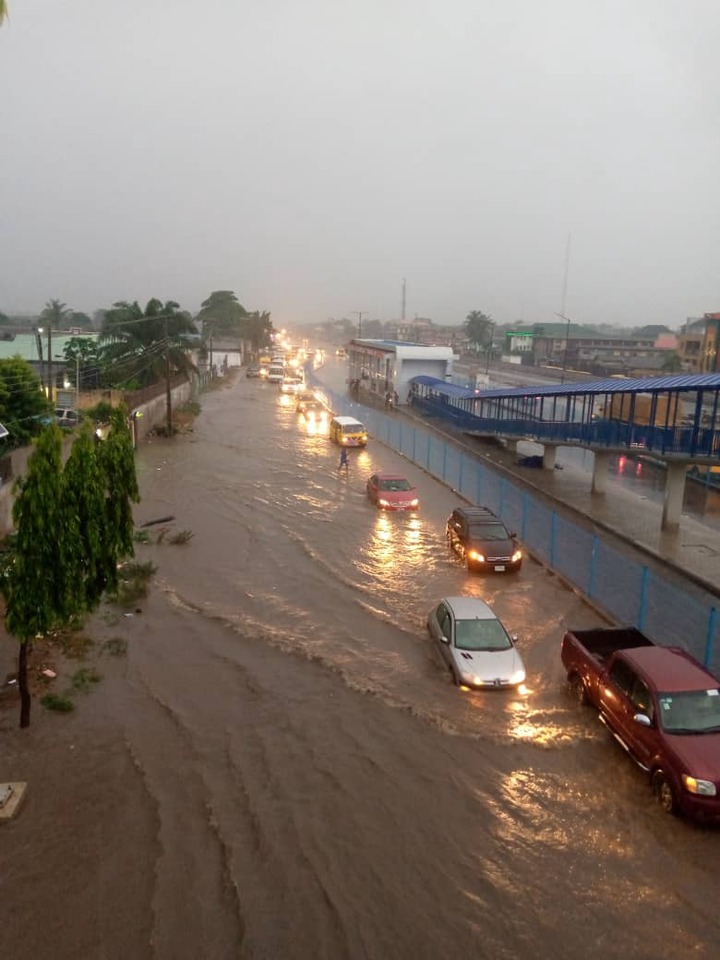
[{"x": 309, "y": 154}]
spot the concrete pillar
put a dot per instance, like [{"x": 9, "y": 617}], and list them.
[
  {"x": 549, "y": 455},
  {"x": 601, "y": 468},
  {"x": 511, "y": 445},
  {"x": 674, "y": 493}
]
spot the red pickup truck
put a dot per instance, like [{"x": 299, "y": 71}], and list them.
[{"x": 660, "y": 704}]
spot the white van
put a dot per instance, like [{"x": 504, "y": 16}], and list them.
[{"x": 276, "y": 372}]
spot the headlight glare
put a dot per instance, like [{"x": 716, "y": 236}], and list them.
[{"x": 703, "y": 788}]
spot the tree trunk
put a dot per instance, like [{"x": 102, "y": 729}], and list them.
[{"x": 25, "y": 698}]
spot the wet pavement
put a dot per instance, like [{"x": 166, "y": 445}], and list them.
[{"x": 692, "y": 552}]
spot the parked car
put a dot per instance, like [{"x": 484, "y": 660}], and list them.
[
  {"x": 662, "y": 707},
  {"x": 390, "y": 491},
  {"x": 482, "y": 540},
  {"x": 66, "y": 417},
  {"x": 476, "y": 647}
]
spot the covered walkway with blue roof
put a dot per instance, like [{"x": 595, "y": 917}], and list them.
[{"x": 674, "y": 419}]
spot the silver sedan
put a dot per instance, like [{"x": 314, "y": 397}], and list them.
[{"x": 475, "y": 645}]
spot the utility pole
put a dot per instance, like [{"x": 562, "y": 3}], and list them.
[
  {"x": 402, "y": 311},
  {"x": 562, "y": 307},
  {"x": 168, "y": 397},
  {"x": 40, "y": 357},
  {"x": 359, "y": 314},
  {"x": 211, "y": 368},
  {"x": 77, "y": 383},
  {"x": 50, "y": 365}
]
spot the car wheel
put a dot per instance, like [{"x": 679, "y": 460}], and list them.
[
  {"x": 664, "y": 793},
  {"x": 577, "y": 689}
]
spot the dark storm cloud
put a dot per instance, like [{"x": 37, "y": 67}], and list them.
[{"x": 311, "y": 154}]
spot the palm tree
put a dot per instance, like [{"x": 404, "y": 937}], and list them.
[
  {"x": 3, "y": 10},
  {"x": 55, "y": 313},
  {"x": 137, "y": 345},
  {"x": 478, "y": 328}
]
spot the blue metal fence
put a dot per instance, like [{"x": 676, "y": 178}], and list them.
[{"x": 629, "y": 591}]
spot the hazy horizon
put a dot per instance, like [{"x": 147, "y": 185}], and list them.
[{"x": 309, "y": 156}]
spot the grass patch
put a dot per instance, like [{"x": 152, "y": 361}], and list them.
[
  {"x": 57, "y": 701},
  {"x": 75, "y": 646},
  {"x": 115, "y": 646},
  {"x": 192, "y": 407},
  {"x": 141, "y": 536},
  {"x": 133, "y": 584},
  {"x": 83, "y": 679},
  {"x": 182, "y": 536}
]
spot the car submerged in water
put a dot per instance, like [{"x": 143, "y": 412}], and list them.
[
  {"x": 391, "y": 491},
  {"x": 478, "y": 650}
]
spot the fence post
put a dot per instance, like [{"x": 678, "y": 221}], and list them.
[
  {"x": 642, "y": 612},
  {"x": 553, "y": 535},
  {"x": 710, "y": 639},
  {"x": 594, "y": 551}
]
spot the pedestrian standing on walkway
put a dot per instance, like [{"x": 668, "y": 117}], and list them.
[{"x": 343, "y": 460}]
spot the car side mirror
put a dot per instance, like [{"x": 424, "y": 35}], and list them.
[
  {"x": 642, "y": 719},
  {"x": 444, "y": 638},
  {"x": 514, "y": 637}
]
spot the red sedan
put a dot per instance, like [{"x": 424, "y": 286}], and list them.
[{"x": 390, "y": 491}]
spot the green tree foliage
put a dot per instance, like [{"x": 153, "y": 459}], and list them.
[
  {"x": 672, "y": 363},
  {"x": 55, "y": 315},
  {"x": 72, "y": 526},
  {"x": 221, "y": 315},
  {"x": 39, "y": 588},
  {"x": 80, "y": 320},
  {"x": 3, "y": 10},
  {"x": 478, "y": 329},
  {"x": 22, "y": 402},
  {"x": 117, "y": 461},
  {"x": 83, "y": 499},
  {"x": 4, "y": 318},
  {"x": 82, "y": 355},
  {"x": 258, "y": 329},
  {"x": 135, "y": 344}
]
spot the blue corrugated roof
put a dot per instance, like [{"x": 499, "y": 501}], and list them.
[{"x": 683, "y": 383}]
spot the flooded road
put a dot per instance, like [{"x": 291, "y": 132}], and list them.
[{"x": 282, "y": 768}]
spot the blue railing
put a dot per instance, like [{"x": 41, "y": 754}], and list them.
[
  {"x": 629, "y": 591},
  {"x": 681, "y": 440}
]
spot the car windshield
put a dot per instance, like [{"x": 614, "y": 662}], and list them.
[
  {"x": 690, "y": 711},
  {"x": 352, "y": 428},
  {"x": 396, "y": 484},
  {"x": 481, "y": 635},
  {"x": 488, "y": 531}
]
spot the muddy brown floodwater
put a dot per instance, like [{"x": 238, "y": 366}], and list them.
[{"x": 281, "y": 768}]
